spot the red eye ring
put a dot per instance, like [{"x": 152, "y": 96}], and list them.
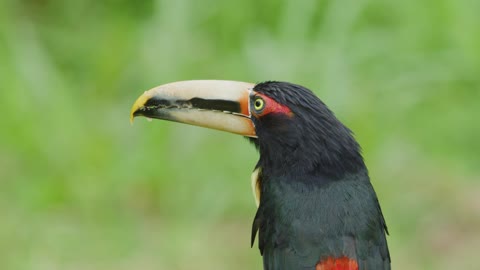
[{"x": 263, "y": 105}]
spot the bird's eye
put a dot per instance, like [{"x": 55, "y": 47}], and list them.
[{"x": 259, "y": 104}]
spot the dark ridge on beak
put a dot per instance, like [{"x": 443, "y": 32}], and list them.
[
  {"x": 194, "y": 103},
  {"x": 216, "y": 105},
  {"x": 158, "y": 103}
]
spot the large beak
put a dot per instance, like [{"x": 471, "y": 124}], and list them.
[{"x": 222, "y": 105}]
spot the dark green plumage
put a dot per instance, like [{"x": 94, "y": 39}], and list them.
[{"x": 316, "y": 198}]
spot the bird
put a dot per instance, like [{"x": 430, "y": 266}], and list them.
[{"x": 316, "y": 206}]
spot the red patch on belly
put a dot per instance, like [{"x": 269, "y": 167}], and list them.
[{"x": 342, "y": 263}]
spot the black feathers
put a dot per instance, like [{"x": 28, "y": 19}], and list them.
[
  {"x": 313, "y": 140},
  {"x": 316, "y": 198}
]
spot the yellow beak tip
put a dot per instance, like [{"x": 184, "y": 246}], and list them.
[
  {"x": 139, "y": 103},
  {"x": 132, "y": 111}
]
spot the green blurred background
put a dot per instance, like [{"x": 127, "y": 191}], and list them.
[{"x": 80, "y": 188}]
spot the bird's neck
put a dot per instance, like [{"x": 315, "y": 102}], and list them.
[{"x": 301, "y": 157}]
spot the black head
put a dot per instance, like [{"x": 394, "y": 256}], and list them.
[{"x": 297, "y": 133}]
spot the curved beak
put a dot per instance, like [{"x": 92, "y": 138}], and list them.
[{"x": 221, "y": 105}]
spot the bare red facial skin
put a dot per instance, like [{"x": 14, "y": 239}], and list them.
[
  {"x": 342, "y": 263},
  {"x": 271, "y": 106}
]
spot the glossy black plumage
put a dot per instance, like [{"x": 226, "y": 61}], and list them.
[{"x": 316, "y": 197}]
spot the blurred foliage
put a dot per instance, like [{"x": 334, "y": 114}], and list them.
[{"x": 80, "y": 188}]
